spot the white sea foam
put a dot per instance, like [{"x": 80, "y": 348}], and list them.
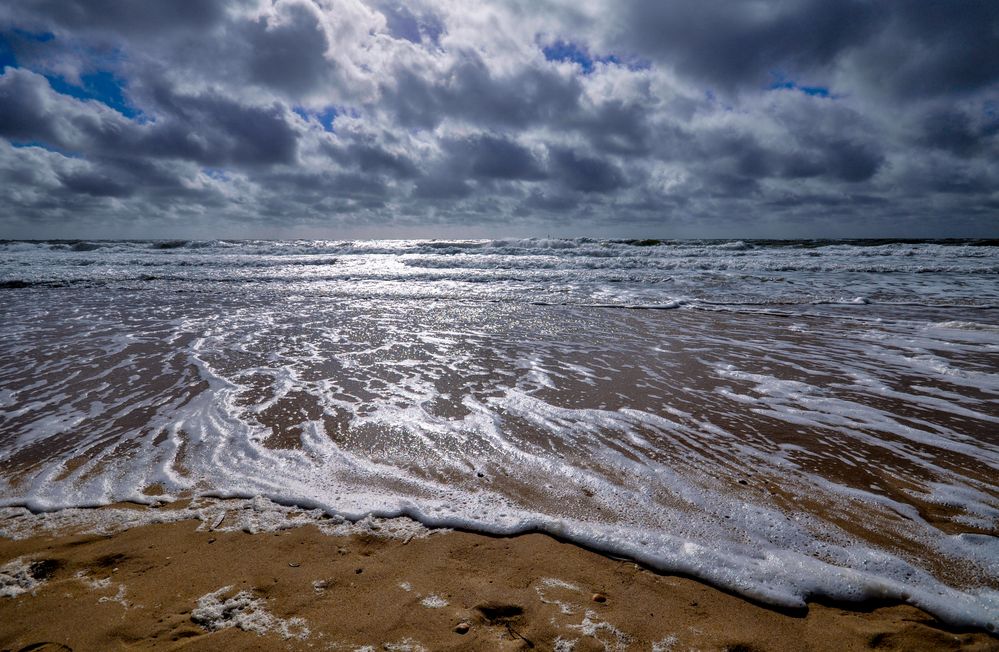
[
  {"x": 16, "y": 578},
  {"x": 564, "y": 645},
  {"x": 241, "y": 610},
  {"x": 612, "y": 639},
  {"x": 434, "y": 602},
  {"x": 548, "y": 587},
  {"x": 243, "y": 515},
  {"x": 666, "y": 644},
  {"x": 317, "y": 383}
]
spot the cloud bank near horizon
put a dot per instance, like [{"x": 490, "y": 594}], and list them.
[{"x": 444, "y": 117}]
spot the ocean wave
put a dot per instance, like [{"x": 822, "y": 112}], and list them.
[
  {"x": 651, "y": 248},
  {"x": 582, "y": 271}
]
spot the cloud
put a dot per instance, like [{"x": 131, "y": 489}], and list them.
[
  {"x": 123, "y": 16},
  {"x": 205, "y": 128},
  {"x": 586, "y": 173},
  {"x": 730, "y": 45},
  {"x": 908, "y": 48},
  {"x": 287, "y": 52},
  {"x": 267, "y": 117},
  {"x": 488, "y": 156}
]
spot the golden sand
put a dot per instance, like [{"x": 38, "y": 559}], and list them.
[{"x": 172, "y": 586}]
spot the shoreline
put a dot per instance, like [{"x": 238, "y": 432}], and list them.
[
  {"x": 778, "y": 458},
  {"x": 243, "y": 580}
]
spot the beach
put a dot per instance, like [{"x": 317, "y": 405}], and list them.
[
  {"x": 807, "y": 428},
  {"x": 394, "y": 586},
  {"x": 377, "y": 325}
]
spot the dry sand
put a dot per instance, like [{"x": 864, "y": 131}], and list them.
[{"x": 170, "y": 586}]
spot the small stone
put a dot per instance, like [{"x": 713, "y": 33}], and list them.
[
  {"x": 462, "y": 628},
  {"x": 599, "y": 597},
  {"x": 294, "y": 564}
]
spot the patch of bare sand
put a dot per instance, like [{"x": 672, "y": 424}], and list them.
[{"x": 169, "y": 586}]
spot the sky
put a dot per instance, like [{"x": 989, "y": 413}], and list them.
[{"x": 461, "y": 118}]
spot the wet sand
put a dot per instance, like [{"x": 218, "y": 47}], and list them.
[
  {"x": 783, "y": 455},
  {"x": 182, "y": 585}
]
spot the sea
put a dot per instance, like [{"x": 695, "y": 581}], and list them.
[{"x": 786, "y": 420}]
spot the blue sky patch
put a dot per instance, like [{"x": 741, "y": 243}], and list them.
[
  {"x": 781, "y": 82},
  {"x": 7, "y": 57},
  {"x": 561, "y": 50},
  {"x": 324, "y": 117},
  {"x": 216, "y": 173},
  {"x": 101, "y": 85},
  {"x": 41, "y": 37},
  {"x": 569, "y": 51},
  {"x": 814, "y": 91},
  {"x": 22, "y": 144}
]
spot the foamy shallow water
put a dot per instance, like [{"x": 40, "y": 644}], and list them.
[{"x": 788, "y": 446}]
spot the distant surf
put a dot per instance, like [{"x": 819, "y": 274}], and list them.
[{"x": 576, "y": 271}]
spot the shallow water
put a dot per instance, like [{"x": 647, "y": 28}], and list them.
[{"x": 799, "y": 425}]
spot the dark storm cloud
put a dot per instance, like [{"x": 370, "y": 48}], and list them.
[
  {"x": 492, "y": 157},
  {"x": 414, "y": 26},
  {"x": 259, "y": 115},
  {"x": 25, "y": 114},
  {"x": 288, "y": 53},
  {"x": 471, "y": 91},
  {"x": 95, "y": 184},
  {"x": 586, "y": 173},
  {"x": 314, "y": 187},
  {"x": 935, "y": 48},
  {"x": 618, "y": 127},
  {"x": 442, "y": 186},
  {"x": 959, "y": 133},
  {"x": 730, "y": 44},
  {"x": 370, "y": 157},
  {"x": 833, "y": 157},
  {"x": 910, "y": 47},
  {"x": 208, "y": 129},
  {"x": 556, "y": 203},
  {"x": 122, "y": 15},
  {"x": 851, "y": 161},
  {"x": 215, "y": 130}
]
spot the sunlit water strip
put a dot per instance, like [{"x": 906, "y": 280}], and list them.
[{"x": 650, "y": 273}]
